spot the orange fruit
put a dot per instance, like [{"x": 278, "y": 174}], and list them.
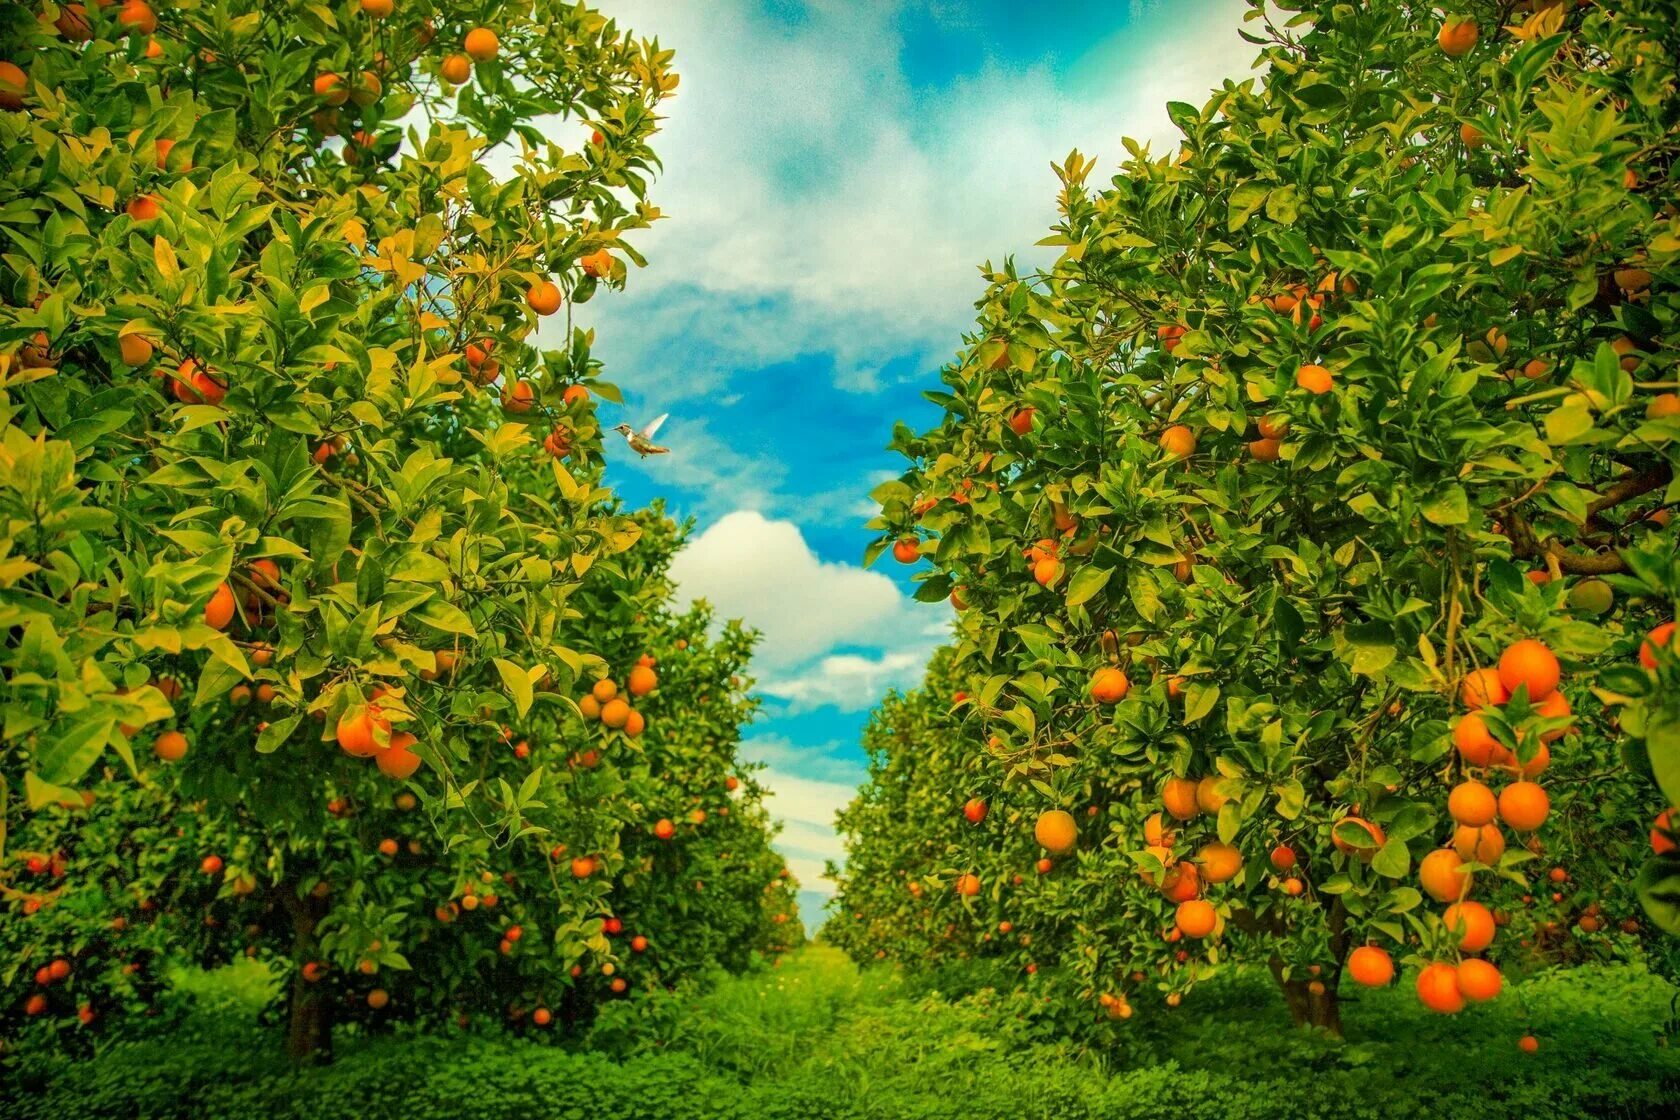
[
  {"x": 1178, "y": 797},
  {"x": 397, "y": 761},
  {"x": 597, "y": 264},
  {"x": 13, "y": 82},
  {"x": 1458, "y": 35},
  {"x": 136, "y": 349},
  {"x": 1659, "y": 638},
  {"x": 1182, "y": 882},
  {"x": 604, "y": 689},
  {"x": 1475, "y": 743},
  {"x": 1470, "y": 136},
  {"x": 1208, "y": 798},
  {"x": 1662, "y": 406},
  {"x": 1363, "y": 850},
  {"x": 456, "y": 69},
  {"x": 1472, "y": 923},
  {"x": 544, "y": 297},
  {"x": 975, "y": 810},
  {"x": 1529, "y": 664},
  {"x": 1437, "y": 987},
  {"x": 583, "y": 867},
  {"x": 615, "y": 714},
  {"x": 1443, "y": 876},
  {"x": 1196, "y": 918},
  {"x": 1022, "y": 421},
  {"x": 1272, "y": 428},
  {"x": 378, "y": 9},
  {"x": 1483, "y": 845},
  {"x": 363, "y": 731},
  {"x": 1555, "y": 706},
  {"x": 518, "y": 397},
  {"x": 378, "y": 998},
  {"x": 1524, "y": 806},
  {"x": 1528, "y": 1044},
  {"x": 1370, "y": 966},
  {"x": 1293, "y": 887},
  {"x": 1478, "y": 980},
  {"x": 968, "y": 885},
  {"x": 218, "y": 612},
  {"x": 664, "y": 829},
  {"x": 1663, "y": 833},
  {"x": 1473, "y": 804},
  {"x": 481, "y": 43},
  {"x": 1283, "y": 858},
  {"x": 1265, "y": 450},
  {"x": 1178, "y": 441},
  {"x": 332, "y": 89},
  {"x": 1314, "y": 379},
  {"x": 642, "y": 680},
  {"x": 1219, "y": 862},
  {"x": 1056, "y": 831},
  {"x": 1482, "y": 688},
  {"x": 171, "y": 746},
  {"x": 589, "y": 707},
  {"x": 1109, "y": 686},
  {"x": 907, "y": 550},
  {"x": 1155, "y": 832}
]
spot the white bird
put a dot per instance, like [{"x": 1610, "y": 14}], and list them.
[{"x": 642, "y": 442}]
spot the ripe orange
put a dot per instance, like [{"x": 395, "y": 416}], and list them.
[
  {"x": 210, "y": 865},
  {"x": 1663, "y": 837},
  {"x": 1475, "y": 743},
  {"x": 1443, "y": 875},
  {"x": 1056, "y": 831},
  {"x": 615, "y": 714},
  {"x": 135, "y": 349},
  {"x": 1272, "y": 428},
  {"x": 1208, "y": 798},
  {"x": 378, "y": 9},
  {"x": 387, "y": 847},
  {"x": 1219, "y": 862},
  {"x": 332, "y": 89},
  {"x": 218, "y": 612},
  {"x": 456, "y": 69},
  {"x": 975, "y": 810},
  {"x": 363, "y": 731},
  {"x": 518, "y": 397},
  {"x": 642, "y": 680},
  {"x": 1478, "y": 980},
  {"x": 1178, "y": 441},
  {"x": 542, "y": 1016},
  {"x": 597, "y": 264},
  {"x": 1437, "y": 987},
  {"x": 1470, "y": 136},
  {"x": 664, "y": 829},
  {"x": 171, "y": 746},
  {"x": 1314, "y": 379},
  {"x": 481, "y": 43},
  {"x": 1370, "y": 966},
  {"x": 13, "y": 82},
  {"x": 378, "y": 998},
  {"x": 1283, "y": 858},
  {"x": 1555, "y": 706},
  {"x": 1483, "y": 845},
  {"x": 1529, "y": 664},
  {"x": 1662, "y": 406},
  {"x": 589, "y": 707},
  {"x": 544, "y": 297},
  {"x": 1363, "y": 850},
  {"x": 1155, "y": 831},
  {"x": 968, "y": 885},
  {"x": 604, "y": 689},
  {"x": 1659, "y": 638},
  {"x": 1458, "y": 35},
  {"x": 1293, "y": 887},
  {"x": 1473, "y": 804},
  {"x": 1178, "y": 797},
  {"x": 1482, "y": 688},
  {"x": 1045, "y": 571},
  {"x": 1528, "y": 1044},
  {"x": 1524, "y": 806},
  {"x": 907, "y": 550},
  {"x": 1265, "y": 450},
  {"x": 1109, "y": 686},
  {"x": 397, "y": 761},
  {"x": 583, "y": 867},
  {"x": 1196, "y": 918},
  {"x": 1472, "y": 923},
  {"x": 1182, "y": 882}
]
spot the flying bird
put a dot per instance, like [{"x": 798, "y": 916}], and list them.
[{"x": 642, "y": 442}]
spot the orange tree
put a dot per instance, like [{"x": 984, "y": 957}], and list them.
[
  {"x": 293, "y": 498},
  {"x": 1291, "y": 514},
  {"x": 653, "y": 865}
]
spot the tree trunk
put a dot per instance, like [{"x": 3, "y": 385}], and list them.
[
  {"x": 309, "y": 1013},
  {"x": 1306, "y": 1007}
]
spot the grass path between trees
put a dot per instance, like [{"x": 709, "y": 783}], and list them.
[{"x": 818, "y": 1039}]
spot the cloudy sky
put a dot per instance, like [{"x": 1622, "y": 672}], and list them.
[{"x": 835, "y": 171}]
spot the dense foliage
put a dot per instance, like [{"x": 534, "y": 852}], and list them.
[
  {"x": 323, "y": 641},
  {"x": 1309, "y": 527},
  {"x": 815, "y": 1039}
]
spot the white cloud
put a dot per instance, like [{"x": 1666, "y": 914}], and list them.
[
  {"x": 805, "y": 805},
  {"x": 850, "y": 682},
  {"x": 762, "y": 572},
  {"x": 821, "y": 205}
]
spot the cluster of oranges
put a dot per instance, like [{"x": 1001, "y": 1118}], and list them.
[
  {"x": 602, "y": 702},
  {"x": 364, "y": 731}
]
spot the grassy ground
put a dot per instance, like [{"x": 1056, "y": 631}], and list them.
[{"x": 817, "y": 1039}]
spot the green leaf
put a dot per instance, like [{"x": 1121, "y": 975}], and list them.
[
  {"x": 1199, "y": 700},
  {"x": 276, "y": 733},
  {"x": 1087, "y": 582},
  {"x": 1393, "y": 861},
  {"x": 518, "y": 684},
  {"x": 1662, "y": 744}
]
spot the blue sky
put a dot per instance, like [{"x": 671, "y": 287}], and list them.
[{"x": 835, "y": 171}]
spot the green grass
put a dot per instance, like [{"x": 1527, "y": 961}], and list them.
[{"x": 816, "y": 1038}]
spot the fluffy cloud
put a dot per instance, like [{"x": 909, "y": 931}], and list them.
[
  {"x": 804, "y": 804},
  {"x": 824, "y": 205},
  {"x": 762, "y": 572}
]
